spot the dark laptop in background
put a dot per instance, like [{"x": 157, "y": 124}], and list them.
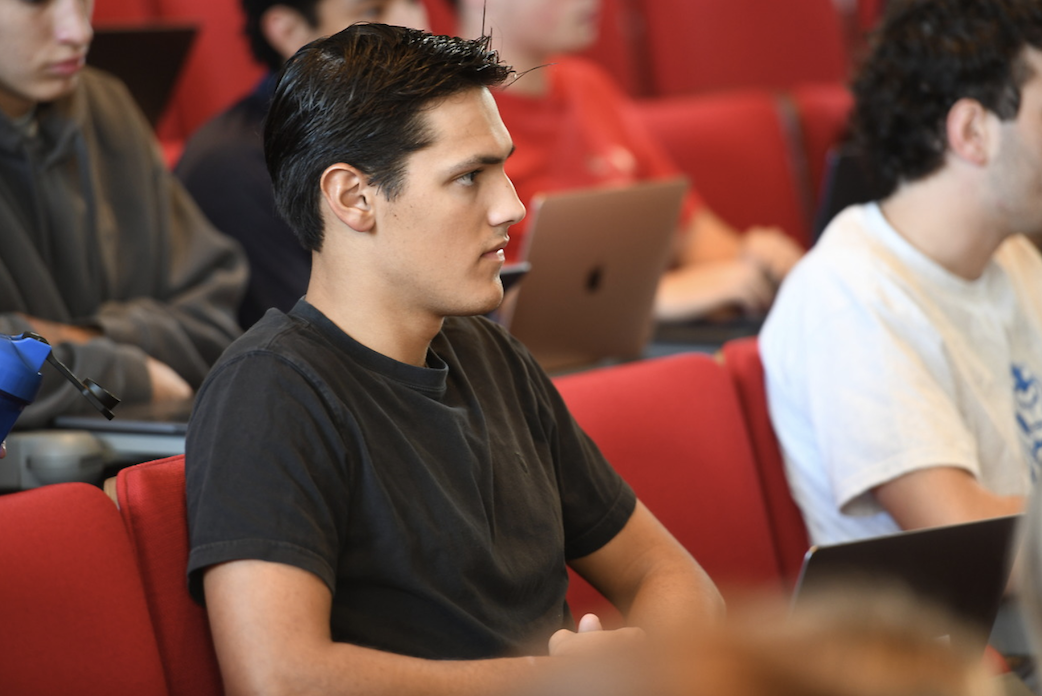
[
  {"x": 961, "y": 568},
  {"x": 137, "y": 433},
  {"x": 147, "y": 57},
  {"x": 596, "y": 257}
]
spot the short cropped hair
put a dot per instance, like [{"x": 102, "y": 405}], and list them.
[
  {"x": 359, "y": 97},
  {"x": 927, "y": 55},
  {"x": 260, "y": 48}
]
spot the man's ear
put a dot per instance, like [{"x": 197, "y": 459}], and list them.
[
  {"x": 285, "y": 29},
  {"x": 970, "y": 131},
  {"x": 348, "y": 195}
]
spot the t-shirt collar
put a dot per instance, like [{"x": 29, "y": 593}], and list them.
[{"x": 431, "y": 378}]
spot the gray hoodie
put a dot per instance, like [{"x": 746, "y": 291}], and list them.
[{"x": 95, "y": 231}]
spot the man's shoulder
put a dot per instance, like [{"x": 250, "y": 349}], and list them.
[
  {"x": 104, "y": 100},
  {"x": 276, "y": 335},
  {"x": 847, "y": 275},
  {"x": 847, "y": 257},
  {"x": 100, "y": 84}
]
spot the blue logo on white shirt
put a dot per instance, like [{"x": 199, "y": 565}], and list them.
[{"x": 1027, "y": 394}]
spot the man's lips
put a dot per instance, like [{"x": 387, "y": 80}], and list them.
[
  {"x": 68, "y": 67},
  {"x": 497, "y": 252}
]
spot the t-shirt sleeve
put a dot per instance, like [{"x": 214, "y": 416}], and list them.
[
  {"x": 273, "y": 495},
  {"x": 882, "y": 398},
  {"x": 596, "y": 502}
]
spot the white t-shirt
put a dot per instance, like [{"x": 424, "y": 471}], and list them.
[{"x": 880, "y": 362}]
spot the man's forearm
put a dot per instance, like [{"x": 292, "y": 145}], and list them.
[
  {"x": 652, "y": 579},
  {"x": 676, "y": 599},
  {"x": 270, "y": 625}
]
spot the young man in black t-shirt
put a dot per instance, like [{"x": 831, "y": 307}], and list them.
[{"x": 384, "y": 490}]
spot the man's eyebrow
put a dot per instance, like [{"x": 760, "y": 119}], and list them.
[{"x": 483, "y": 160}]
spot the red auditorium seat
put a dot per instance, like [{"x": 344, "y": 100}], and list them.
[
  {"x": 107, "y": 12},
  {"x": 703, "y": 45},
  {"x": 737, "y": 150},
  {"x": 72, "y": 609},
  {"x": 741, "y": 357},
  {"x": 673, "y": 428},
  {"x": 151, "y": 498},
  {"x": 441, "y": 16},
  {"x": 823, "y": 113}
]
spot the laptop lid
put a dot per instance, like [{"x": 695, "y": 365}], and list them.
[
  {"x": 148, "y": 58},
  {"x": 166, "y": 418},
  {"x": 596, "y": 257},
  {"x": 961, "y": 568}
]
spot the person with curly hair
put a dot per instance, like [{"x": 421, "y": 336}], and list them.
[{"x": 902, "y": 355}]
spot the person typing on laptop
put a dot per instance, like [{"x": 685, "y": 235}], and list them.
[
  {"x": 383, "y": 488},
  {"x": 902, "y": 354},
  {"x": 101, "y": 251},
  {"x": 572, "y": 128}
]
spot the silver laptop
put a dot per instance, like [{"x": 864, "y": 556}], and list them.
[
  {"x": 596, "y": 257},
  {"x": 960, "y": 568}
]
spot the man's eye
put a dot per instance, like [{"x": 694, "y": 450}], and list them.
[{"x": 469, "y": 177}]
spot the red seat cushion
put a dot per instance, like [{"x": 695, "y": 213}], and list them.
[{"x": 73, "y": 617}]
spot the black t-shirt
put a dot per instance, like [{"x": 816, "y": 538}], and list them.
[{"x": 439, "y": 504}]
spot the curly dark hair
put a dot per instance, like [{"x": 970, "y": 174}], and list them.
[
  {"x": 259, "y": 46},
  {"x": 358, "y": 97},
  {"x": 927, "y": 55}
]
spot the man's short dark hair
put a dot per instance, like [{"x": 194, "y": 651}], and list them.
[
  {"x": 359, "y": 97},
  {"x": 927, "y": 55},
  {"x": 259, "y": 46}
]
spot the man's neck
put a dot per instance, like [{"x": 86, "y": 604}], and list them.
[
  {"x": 369, "y": 318},
  {"x": 943, "y": 218}
]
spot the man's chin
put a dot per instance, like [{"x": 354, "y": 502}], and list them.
[{"x": 486, "y": 307}]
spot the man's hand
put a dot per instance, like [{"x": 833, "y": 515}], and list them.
[
  {"x": 167, "y": 385},
  {"x": 592, "y": 640},
  {"x": 57, "y": 333},
  {"x": 774, "y": 251}
]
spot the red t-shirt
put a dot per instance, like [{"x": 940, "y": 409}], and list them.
[{"x": 582, "y": 134}]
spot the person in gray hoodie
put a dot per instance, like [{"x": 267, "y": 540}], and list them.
[{"x": 101, "y": 251}]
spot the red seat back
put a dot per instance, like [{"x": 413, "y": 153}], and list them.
[
  {"x": 705, "y": 45},
  {"x": 73, "y": 617},
  {"x": 152, "y": 501},
  {"x": 823, "y": 112},
  {"x": 673, "y": 428},
  {"x": 441, "y": 16},
  {"x": 742, "y": 360},
  {"x": 737, "y": 150}
]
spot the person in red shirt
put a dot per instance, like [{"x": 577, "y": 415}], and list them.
[{"x": 573, "y": 128}]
